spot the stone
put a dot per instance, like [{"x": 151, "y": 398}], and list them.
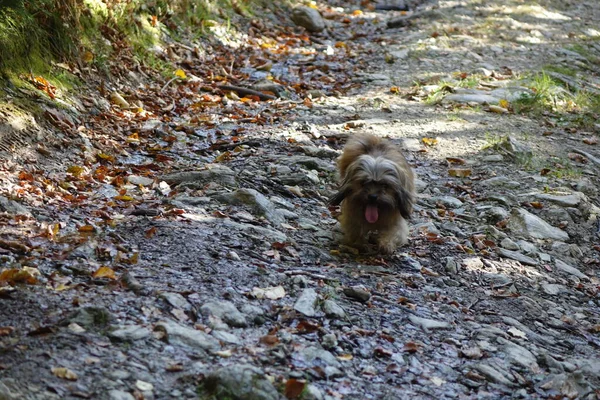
[
  {"x": 553, "y": 288},
  {"x": 129, "y": 333},
  {"x": 239, "y": 382},
  {"x": 329, "y": 341},
  {"x": 311, "y": 392},
  {"x": 89, "y": 317},
  {"x": 179, "y": 335},
  {"x": 452, "y": 266},
  {"x": 501, "y": 181},
  {"x": 495, "y": 214},
  {"x": 215, "y": 174},
  {"x": 508, "y": 244},
  {"x": 494, "y": 374},
  {"x": 257, "y": 201},
  {"x": 359, "y": 293},
  {"x": 566, "y": 268},
  {"x": 9, "y": 390},
  {"x": 427, "y": 324},
  {"x": 420, "y": 185},
  {"x": 176, "y": 300},
  {"x": 587, "y": 187},
  {"x": 513, "y": 255},
  {"x": 526, "y": 247},
  {"x": 308, "y": 18},
  {"x": 258, "y": 232},
  {"x": 571, "y": 200},
  {"x": 226, "y": 311},
  {"x": 140, "y": 180},
  {"x": 313, "y": 353},
  {"x": 493, "y": 158},
  {"x": 115, "y": 394},
  {"x": 447, "y": 201},
  {"x": 519, "y": 355},
  {"x": 522, "y": 222},
  {"x": 333, "y": 310},
  {"x": 515, "y": 149},
  {"x": 424, "y": 228},
  {"x": 226, "y": 337},
  {"x": 13, "y": 207},
  {"x": 306, "y": 302}
]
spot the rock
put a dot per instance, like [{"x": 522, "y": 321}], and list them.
[
  {"x": 513, "y": 255},
  {"x": 329, "y": 341},
  {"x": 425, "y": 227},
  {"x": 140, "y": 180},
  {"x": 587, "y": 187},
  {"x": 239, "y": 382},
  {"x": 176, "y": 300},
  {"x": 495, "y": 214},
  {"x": 494, "y": 374},
  {"x": 226, "y": 337},
  {"x": 9, "y": 390},
  {"x": 428, "y": 324},
  {"x": 89, "y": 317},
  {"x": 308, "y": 18},
  {"x": 472, "y": 263},
  {"x": 493, "y": 158},
  {"x": 225, "y": 310},
  {"x": 311, "y": 392},
  {"x": 259, "y": 203},
  {"x": 522, "y": 222},
  {"x": 519, "y": 355},
  {"x": 333, "y": 310},
  {"x": 526, "y": 247},
  {"x": 571, "y": 386},
  {"x": 129, "y": 333},
  {"x": 359, "y": 293},
  {"x": 115, "y": 394},
  {"x": 508, "y": 244},
  {"x": 553, "y": 288},
  {"x": 479, "y": 97},
  {"x": 106, "y": 191},
  {"x": 412, "y": 144},
  {"x": 13, "y": 207},
  {"x": 179, "y": 335},
  {"x": 448, "y": 201},
  {"x": 572, "y": 200},
  {"x": 260, "y": 232},
  {"x": 420, "y": 185},
  {"x": 566, "y": 268},
  {"x": 314, "y": 353},
  {"x": 306, "y": 302},
  {"x": 452, "y": 265},
  {"x": 501, "y": 181},
  {"x": 216, "y": 173}
]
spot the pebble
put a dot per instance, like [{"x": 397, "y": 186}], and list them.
[
  {"x": 308, "y": 18},
  {"x": 522, "y": 222},
  {"x": 129, "y": 333},
  {"x": 333, "y": 310},
  {"x": 509, "y": 244},
  {"x": 225, "y": 310},
  {"x": 428, "y": 324},
  {"x": 359, "y": 293},
  {"x": 180, "y": 335},
  {"x": 513, "y": 255},
  {"x": 240, "y": 381},
  {"x": 306, "y": 302},
  {"x": 566, "y": 268}
]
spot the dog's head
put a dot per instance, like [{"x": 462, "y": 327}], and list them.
[{"x": 378, "y": 185}]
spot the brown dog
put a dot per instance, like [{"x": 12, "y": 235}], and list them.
[{"x": 377, "y": 192}]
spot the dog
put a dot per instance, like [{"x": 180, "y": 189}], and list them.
[{"x": 377, "y": 193}]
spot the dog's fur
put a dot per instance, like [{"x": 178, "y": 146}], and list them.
[{"x": 374, "y": 173}]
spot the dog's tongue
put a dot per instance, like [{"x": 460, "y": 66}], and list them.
[{"x": 371, "y": 214}]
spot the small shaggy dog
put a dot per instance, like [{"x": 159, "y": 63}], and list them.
[{"x": 377, "y": 192}]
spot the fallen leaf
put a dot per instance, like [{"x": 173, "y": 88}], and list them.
[
  {"x": 454, "y": 160},
  {"x": 13, "y": 276},
  {"x": 591, "y": 140},
  {"x": 294, "y": 388},
  {"x": 104, "y": 272},
  {"x": 6, "y": 330},
  {"x": 411, "y": 347},
  {"x": 459, "y": 173},
  {"x": 345, "y": 357},
  {"x": 269, "y": 340},
  {"x": 64, "y": 373},
  {"x": 430, "y": 141},
  {"x": 503, "y": 103},
  {"x": 150, "y": 232},
  {"x": 86, "y": 228}
]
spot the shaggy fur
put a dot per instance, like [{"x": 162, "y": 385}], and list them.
[{"x": 377, "y": 193}]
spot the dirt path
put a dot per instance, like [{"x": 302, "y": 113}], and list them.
[{"x": 224, "y": 277}]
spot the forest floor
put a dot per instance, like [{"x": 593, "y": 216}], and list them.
[{"x": 176, "y": 243}]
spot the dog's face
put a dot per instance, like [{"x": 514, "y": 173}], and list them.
[{"x": 376, "y": 185}]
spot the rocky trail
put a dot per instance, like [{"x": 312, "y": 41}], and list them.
[{"x": 180, "y": 245}]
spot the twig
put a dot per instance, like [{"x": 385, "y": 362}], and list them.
[
  {"x": 167, "y": 84},
  {"x": 245, "y": 91},
  {"x": 309, "y": 274}
]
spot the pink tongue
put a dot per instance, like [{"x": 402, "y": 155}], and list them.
[{"x": 371, "y": 214}]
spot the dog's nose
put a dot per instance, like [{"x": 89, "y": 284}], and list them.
[{"x": 372, "y": 197}]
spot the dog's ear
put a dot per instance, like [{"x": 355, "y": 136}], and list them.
[
  {"x": 404, "y": 202},
  {"x": 337, "y": 198}
]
